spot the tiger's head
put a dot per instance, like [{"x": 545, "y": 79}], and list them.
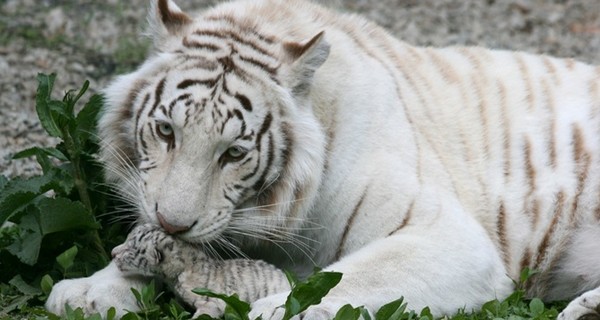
[{"x": 214, "y": 134}]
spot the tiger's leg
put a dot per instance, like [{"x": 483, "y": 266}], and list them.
[
  {"x": 97, "y": 293},
  {"x": 445, "y": 261}
]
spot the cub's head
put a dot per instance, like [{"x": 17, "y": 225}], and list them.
[
  {"x": 214, "y": 134},
  {"x": 143, "y": 251}
]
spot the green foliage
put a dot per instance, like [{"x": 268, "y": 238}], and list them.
[
  {"x": 310, "y": 292},
  {"x": 55, "y": 213}
]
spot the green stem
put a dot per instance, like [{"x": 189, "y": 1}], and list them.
[{"x": 81, "y": 186}]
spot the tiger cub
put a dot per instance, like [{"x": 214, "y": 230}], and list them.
[{"x": 149, "y": 251}]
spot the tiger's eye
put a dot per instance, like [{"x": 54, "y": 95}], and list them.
[
  {"x": 234, "y": 154},
  {"x": 164, "y": 130}
]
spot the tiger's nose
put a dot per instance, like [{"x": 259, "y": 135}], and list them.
[{"x": 171, "y": 228}]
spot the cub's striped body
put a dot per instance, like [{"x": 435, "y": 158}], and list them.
[
  {"x": 149, "y": 251},
  {"x": 290, "y": 133}
]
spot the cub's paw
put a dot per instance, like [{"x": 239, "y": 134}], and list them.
[
  {"x": 584, "y": 307},
  {"x": 212, "y": 308},
  {"x": 97, "y": 293},
  {"x": 272, "y": 308}
]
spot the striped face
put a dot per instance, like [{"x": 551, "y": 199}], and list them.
[{"x": 207, "y": 132}]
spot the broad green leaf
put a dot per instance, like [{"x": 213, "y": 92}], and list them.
[
  {"x": 348, "y": 312},
  {"x": 23, "y": 287},
  {"x": 491, "y": 307},
  {"x": 27, "y": 247},
  {"x": 66, "y": 259},
  {"x": 391, "y": 311},
  {"x": 111, "y": 314},
  {"x": 18, "y": 194},
  {"x": 13, "y": 203},
  {"x": 426, "y": 314},
  {"x": 61, "y": 214},
  {"x": 310, "y": 292},
  {"x": 43, "y": 96},
  {"x": 235, "y": 308},
  {"x": 76, "y": 314},
  {"x": 537, "y": 307},
  {"x": 46, "y": 284}
]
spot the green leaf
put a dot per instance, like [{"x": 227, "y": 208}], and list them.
[
  {"x": 537, "y": 307},
  {"x": 348, "y": 312},
  {"x": 67, "y": 258},
  {"x": 291, "y": 278},
  {"x": 42, "y": 156},
  {"x": 23, "y": 287},
  {"x": 87, "y": 117},
  {"x": 235, "y": 308},
  {"x": 27, "y": 246},
  {"x": 31, "y": 152},
  {"x": 426, "y": 314},
  {"x": 86, "y": 85},
  {"x": 365, "y": 313},
  {"x": 391, "y": 311},
  {"x": 111, "y": 314},
  {"x": 14, "y": 304},
  {"x": 18, "y": 194},
  {"x": 61, "y": 214},
  {"x": 310, "y": 292},
  {"x": 15, "y": 202},
  {"x": 43, "y": 96},
  {"x": 46, "y": 284},
  {"x": 59, "y": 111}
]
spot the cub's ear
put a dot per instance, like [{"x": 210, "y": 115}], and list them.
[
  {"x": 301, "y": 60},
  {"x": 166, "y": 21}
]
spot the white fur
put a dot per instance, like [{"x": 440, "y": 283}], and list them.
[{"x": 426, "y": 146}]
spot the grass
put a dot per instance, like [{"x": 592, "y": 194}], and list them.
[{"x": 45, "y": 239}]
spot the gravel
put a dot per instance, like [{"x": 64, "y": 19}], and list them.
[{"x": 96, "y": 40}]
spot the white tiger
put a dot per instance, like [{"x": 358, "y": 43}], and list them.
[{"x": 302, "y": 136}]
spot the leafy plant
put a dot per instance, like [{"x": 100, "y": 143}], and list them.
[{"x": 57, "y": 211}]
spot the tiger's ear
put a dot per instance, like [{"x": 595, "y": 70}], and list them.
[
  {"x": 166, "y": 21},
  {"x": 302, "y": 60}
]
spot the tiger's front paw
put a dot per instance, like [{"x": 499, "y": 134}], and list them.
[
  {"x": 273, "y": 308},
  {"x": 584, "y": 307},
  {"x": 95, "y": 294}
]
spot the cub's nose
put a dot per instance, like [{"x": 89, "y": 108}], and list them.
[{"x": 171, "y": 228}]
